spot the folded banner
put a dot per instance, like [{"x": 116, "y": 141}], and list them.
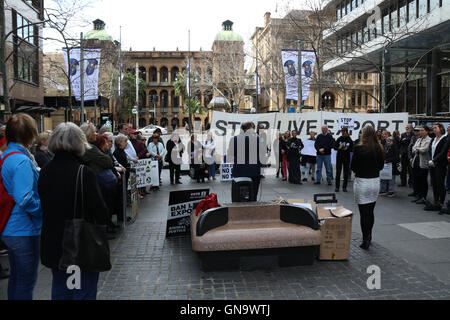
[
  {"x": 291, "y": 71},
  {"x": 91, "y": 72}
]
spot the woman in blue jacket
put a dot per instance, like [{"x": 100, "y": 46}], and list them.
[{"x": 22, "y": 231}]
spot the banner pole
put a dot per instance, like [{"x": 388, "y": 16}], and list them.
[
  {"x": 82, "y": 77},
  {"x": 300, "y": 78}
]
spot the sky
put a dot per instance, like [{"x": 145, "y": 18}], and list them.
[{"x": 164, "y": 24}]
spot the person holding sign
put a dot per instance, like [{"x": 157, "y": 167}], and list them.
[
  {"x": 295, "y": 147},
  {"x": 344, "y": 146},
  {"x": 157, "y": 153}
]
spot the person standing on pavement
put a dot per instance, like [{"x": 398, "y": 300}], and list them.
[
  {"x": 57, "y": 186},
  {"x": 416, "y": 136},
  {"x": 209, "y": 148},
  {"x": 157, "y": 153},
  {"x": 295, "y": 146},
  {"x": 392, "y": 157},
  {"x": 419, "y": 164},
  {"x": 124, "y": 131},
  {"x": 310, "y": 161},
  {"x": 23, "y": 228},
  {"x": 344, "y": 146},
  {"x": 405, "y": 140},
  {"x": 324, "y": 143},
  {"x": 437, "y": 153},
  {"x": 247, "y": 163},
  {"x": 367, "y": 162},
  {"x": 175, "y": 149},
  {"x": 284, "y": 154}
]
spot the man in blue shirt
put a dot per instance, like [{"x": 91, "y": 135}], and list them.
[{"x": 324, "y": 143}]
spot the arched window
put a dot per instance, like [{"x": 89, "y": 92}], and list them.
[
  {"x": 164, "y": 74},
  {"x": 143, "y": 73},
  {"x": 153, "y": 74},
  {"x": 175, "y": 72},
  {"x": 164, "y": 99},
  {"x": 153, "y": 98}
]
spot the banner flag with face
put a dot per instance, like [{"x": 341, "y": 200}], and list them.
[
  {"x": 291, "y": 71},
  {"x": 91, "y": 72}
]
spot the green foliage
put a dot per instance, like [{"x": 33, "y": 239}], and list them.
[{"x": 129, "y": 91}]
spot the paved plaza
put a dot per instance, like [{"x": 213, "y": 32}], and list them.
[{"x": 411, "y": 247}]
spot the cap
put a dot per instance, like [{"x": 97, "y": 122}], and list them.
[{"x": 134, "y": 132}]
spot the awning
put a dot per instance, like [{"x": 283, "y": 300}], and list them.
[{"x": 34, "y": 109}]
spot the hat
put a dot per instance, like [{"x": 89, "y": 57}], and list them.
[
  {"x": 417, "y": 129},
  {"x": 134, "y": 132}
]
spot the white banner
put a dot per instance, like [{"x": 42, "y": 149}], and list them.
[
  {"x": 147, "y": 173},
  {"x": 309, "y": 149},
  {"x": 91, "y": 72},
  {"x": 346, "y": 122},
  {"x": 291, "y": 71}
]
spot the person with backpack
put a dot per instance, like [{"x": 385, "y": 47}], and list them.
[{"x": 20, "y": 207}]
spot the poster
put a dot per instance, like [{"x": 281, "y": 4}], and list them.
[
  {"x": 91, "y": 63},
  {"x": 291, "y": 71},
  {"x": 309, "y": 149},
  {"x": 225, "y": 172},
  {"x": 181, "y": 205},
  {"x": 346, "y": 122},
  {"x": 147, "y": 173}
]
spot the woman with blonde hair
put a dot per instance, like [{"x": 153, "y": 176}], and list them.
[
  {"x": 43, "y": 156},
  {"x": 368, "y": 161}
]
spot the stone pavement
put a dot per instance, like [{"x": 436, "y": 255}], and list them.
[{"x": 147, "y": 266}]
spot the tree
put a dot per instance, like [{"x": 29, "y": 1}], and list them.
[
  {"x": 129, "y": 94},
  {"x": 193, "y": 105}
]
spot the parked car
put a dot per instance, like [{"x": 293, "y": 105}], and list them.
[{"x": 148, "y": 131}]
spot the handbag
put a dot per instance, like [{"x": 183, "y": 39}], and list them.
[
  {"x": 386, "y": 173},
  {"x": 210, "y": 202},
  {"x": 84, "y": 243}
]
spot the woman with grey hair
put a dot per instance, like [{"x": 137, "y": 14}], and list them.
[
  {"x": 56, "y": 185},
  {"x": 94, "y": 157}
]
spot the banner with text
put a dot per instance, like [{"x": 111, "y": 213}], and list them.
[
  {"x": 181, "y": 205},
  {"x": 147, "y": 173},
  {"x": 91, "y": 72}
]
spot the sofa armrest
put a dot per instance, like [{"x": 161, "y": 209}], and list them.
[
  {"x": 300, "y": 216},
  {"x": 211, "y": 219}
]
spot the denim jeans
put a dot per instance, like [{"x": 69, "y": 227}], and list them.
[
  {"x": 87, "y": 291},
  {"x": 212, "y": 170},
  {"x": 329, "y": 168},
  {"x": 23, "y": 255},
  {"x": 387, "y": 185}
]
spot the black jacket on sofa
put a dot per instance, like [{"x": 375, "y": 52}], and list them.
[{"x": 56, "y": 188}]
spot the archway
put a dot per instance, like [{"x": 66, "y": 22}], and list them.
[
  {"x": 176, "y": 122},
  {"x": 142, "y": 122},
  {"x": 174, "y": 73},
  {"x": 328, "y": 100},
  {"x": 153, "y": 74},
  {"x": 143, "y": 73},
  {"x": 164, "y": 74},
  {"x": 164, "y": 122}
]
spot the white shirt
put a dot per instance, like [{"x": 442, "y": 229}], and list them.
[{"x": 129, "y": 150}]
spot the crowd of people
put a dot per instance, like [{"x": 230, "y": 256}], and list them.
[{"x": 42, "y": 174}]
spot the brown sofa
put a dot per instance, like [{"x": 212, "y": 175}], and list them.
[{"x": 222, "y": 236}]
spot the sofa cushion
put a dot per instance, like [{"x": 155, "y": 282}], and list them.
[{"x": 260, "y": 235}]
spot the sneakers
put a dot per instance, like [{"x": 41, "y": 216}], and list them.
[
  {"x": 391, "y": 195},
  {"x": 381, "y": 194},
  {"x": 316, "y": 183}
]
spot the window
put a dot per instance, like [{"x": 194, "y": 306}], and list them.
[
  {"x": 354, "y": 5},
  {"x": 348, "y": 7},
  {"x": 366, "y": 76},
  {"x": 353, "y": 98},
  {"x": 366, "y": 99},
  {"x": 359, "y": 76},
  {"x": 422, "y": 8},
  {"x": 359, "y": 98},
  {"x": 412, "y": 8},
  {"x": 385, "y": 21},
  {"x": 402, "y": 13},
  {"x": 434, "y": 4},
  {"x": 366, "y": 34},
  {"x": 394, "y": 18},
  {"x": 26, "y": 49}
]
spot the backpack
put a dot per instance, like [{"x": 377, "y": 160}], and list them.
[{"x": 6, "y": 201}]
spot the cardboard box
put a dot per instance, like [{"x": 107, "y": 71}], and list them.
[
  {"x": 312, "y": 203},
  {"x": 336, "y": 228}
]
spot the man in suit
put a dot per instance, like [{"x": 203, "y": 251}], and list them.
[
  {"x": 405, "y": 140},
  {"x": 244, "y": 153}
]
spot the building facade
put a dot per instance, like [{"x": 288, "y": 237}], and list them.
[
  {"x": 23, "y": 58},
  {"x": 218, "y": 73},
  {"x": 406, "y": 42},
  {"x": 331, "y": 91}
]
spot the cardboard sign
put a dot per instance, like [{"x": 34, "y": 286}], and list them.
[
  {"x": 181, "y": 205},
  {"x": 346, "y": 122},
  {"x": 147, "y": 173},
  {"x": 225, "y": 172}
]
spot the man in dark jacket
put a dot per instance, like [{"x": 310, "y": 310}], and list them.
[
  {"x": 294, "y": 146},
  {"x": 405, "y": 140},
  {"x": 324, "y": 143},
  {"x": 344, "y": 146},
  {"x": 244, "y": 153}
]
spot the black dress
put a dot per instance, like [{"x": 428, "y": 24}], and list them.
[{"x": 295, "y": 147}]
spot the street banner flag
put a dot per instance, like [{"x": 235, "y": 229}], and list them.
[
  {"x": 258, "y": 82},
  {"x": 188, "y": 83},
  {"x": 91, "y": 72},
  {"x": 291, "y": 71}
]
